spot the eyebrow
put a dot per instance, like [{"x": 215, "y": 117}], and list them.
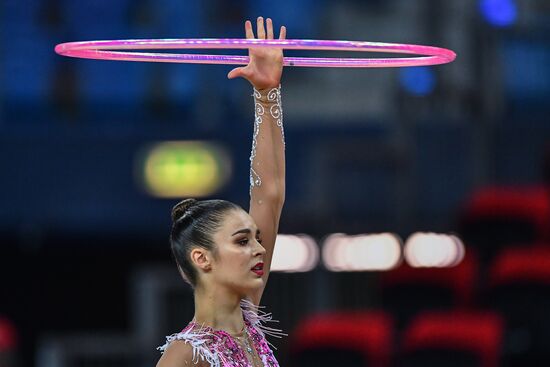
[{"x": 245, "y": 230}]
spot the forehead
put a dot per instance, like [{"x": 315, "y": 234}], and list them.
[{"x": 238, "y": 219}]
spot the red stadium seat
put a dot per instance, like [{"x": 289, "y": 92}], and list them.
[
  {"x": 456, "y": 338},
  {"x": 8, "y": 343},
  {"x": 8, "y": 335},
  {"x": 496, "y": 217},
  {"x": 406, "y": 290},
  {"x": 520, "y": 265},
  {"x": 354, "y": 338},
  {"x": 519, "y": 288}
]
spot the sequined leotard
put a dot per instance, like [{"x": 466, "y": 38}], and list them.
[{"x": 220, "y": 349}]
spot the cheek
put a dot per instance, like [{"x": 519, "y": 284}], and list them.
[
  {"x": 237, "y": 259},
  {"x": 242, "y": 259}
]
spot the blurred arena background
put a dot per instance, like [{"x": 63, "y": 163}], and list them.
[{"x": 386, "y": 170}]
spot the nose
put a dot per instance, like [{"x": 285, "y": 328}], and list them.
[{"x": 259, "y": 249}]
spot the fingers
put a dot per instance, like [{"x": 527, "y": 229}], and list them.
[
  {"x": 269, "y": 24},
  {"x": 248, "y": 29},
  {"x": 282, "y": 33},
  {"x": 260, "y": 28},
  {"x": 263, "y": 32}
]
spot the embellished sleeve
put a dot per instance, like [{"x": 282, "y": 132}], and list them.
[
  {"x": 198, "y": 340},
  {"x": 268, "y": 111}
]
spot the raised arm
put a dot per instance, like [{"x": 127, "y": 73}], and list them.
[{"x": 267, "y": 159}]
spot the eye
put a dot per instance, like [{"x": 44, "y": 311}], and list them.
[
  {"x": 259, "y": 240},
  {"x": 243, "y": 241}
]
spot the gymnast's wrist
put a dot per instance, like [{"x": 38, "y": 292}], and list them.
[{"x": 267, "y": 95}]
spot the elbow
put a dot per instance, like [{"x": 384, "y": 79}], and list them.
[
  {"x": 275, "y": 194},
  {"x": 280, "y": 200}
]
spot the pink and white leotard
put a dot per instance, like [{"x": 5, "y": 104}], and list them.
[{"x": 220, "y": 349}]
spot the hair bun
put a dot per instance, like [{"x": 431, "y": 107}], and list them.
[{"x": 180, "y": 208}]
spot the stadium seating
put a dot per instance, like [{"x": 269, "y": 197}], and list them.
[
  {"x": 519, "y": 288},
  {"x": 452, "y": 339},
  {"x": 495, "y": 217},
  {"x": 354, "y": 338},
  {"x": 8, "y": 342},
  {"x": 406, "y": 290}
]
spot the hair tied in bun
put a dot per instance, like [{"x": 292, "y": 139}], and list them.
[{"x": 179, "y": 210}]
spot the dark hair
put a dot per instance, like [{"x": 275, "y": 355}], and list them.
[{"x": 193, "y": 224}]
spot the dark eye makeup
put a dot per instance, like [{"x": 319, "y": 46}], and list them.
[{"x": 244, "y": 241}]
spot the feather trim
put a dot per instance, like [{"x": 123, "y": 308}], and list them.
[
  {"x": 257, "y": 317},
  {"x": 198, "y": 340}
]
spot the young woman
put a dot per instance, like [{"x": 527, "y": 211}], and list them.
[{"x": 225, "y": 253}]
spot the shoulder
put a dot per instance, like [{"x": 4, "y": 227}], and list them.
[
  {"x": 189, "y": 347},
  {"x": 178, "y": 353}
]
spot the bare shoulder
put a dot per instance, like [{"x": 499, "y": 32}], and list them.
[{"x": 179, "y": 354}]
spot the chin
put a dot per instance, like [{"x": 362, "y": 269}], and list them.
[
  {"x": 253, "y": 285},
  {"x": 258, "y": 282},
  {"x": 247, "y": 286}
]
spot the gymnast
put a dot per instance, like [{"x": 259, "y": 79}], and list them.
[{"x": 225, "y": 253}]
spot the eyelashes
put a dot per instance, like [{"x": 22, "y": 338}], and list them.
[{"x": 244, "y": 241}]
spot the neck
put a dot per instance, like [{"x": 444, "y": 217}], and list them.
[{"x": 219, "y": 310}]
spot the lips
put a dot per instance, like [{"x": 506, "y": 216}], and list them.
[{"x": 258, "y": 268}]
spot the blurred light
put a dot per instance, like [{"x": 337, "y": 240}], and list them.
[
  {"x": 331, "y": 248},
  {"x": 361, "y": 252},
  {"x": 433, "y": 250},
  {"x": 499, "y": 13},
  {"x": 295, "y": 253},
  {"x": 418, "y": 80},
  {"x": 183, "y": 169}
]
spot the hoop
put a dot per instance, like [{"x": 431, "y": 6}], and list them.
[{"x": 102, "y": 50}]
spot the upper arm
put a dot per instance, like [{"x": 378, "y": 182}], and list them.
[
  {"x": 178, "y": 354},
  {"x": 266, "y": 215}
]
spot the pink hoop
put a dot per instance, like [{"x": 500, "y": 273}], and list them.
[{"x": 102, "y": 50}]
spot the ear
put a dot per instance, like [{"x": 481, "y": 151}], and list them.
[{"x": 201, "y": 259}]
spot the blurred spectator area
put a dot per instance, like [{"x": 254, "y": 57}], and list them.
[
  {"x": 53, "y": 86},
  {"x": 462, "y": 148},
  {"x": 501, "y": 75}
]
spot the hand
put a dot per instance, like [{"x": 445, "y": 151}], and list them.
[{"x": 265, "y": 67}]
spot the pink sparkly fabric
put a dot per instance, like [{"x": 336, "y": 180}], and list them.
[{"x": 220, "y": 349}]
